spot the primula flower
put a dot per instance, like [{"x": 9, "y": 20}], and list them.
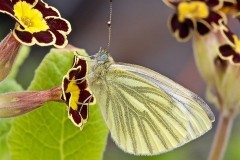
[
  {"x": 199, "y": 15},
  {"x": 231, "y": 49},
  {"x": 76, "y": 93},
  {"x": 222, "y": 77},
  {"x": 37, "y": 23}
]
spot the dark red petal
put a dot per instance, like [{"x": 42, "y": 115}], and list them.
[
  {"x": 82, "y": 85},
  {"x": 238, "y": 5},
  {"x": 44, "y": 37},
  {"x": 184, "y": 31},
  {"x": 83, "y": 64},
  {"x": 75, "y": 116},
  {"x": 174, "y": 24},
  {"x": 212, "y": 3},
  {"x": 72, "y": 72},
  {"x": 61, "y": 40},
  {"x": 213, "y": 17},
  {"x": 83, "y": 97},
  {"x": 77, "y": 73},
  {"x": 65, "y": 84},
  {"x": 229, "y": 4},
  {"x": 46, "y": 10},
  {"x": 183, "y": 27},
  {"x": 80, "y": 62},
  {"x": 226, "y": 50},
  {"x": 6, "y": 6},
  {"x": 236, "y": 58},
  {"x": 68, "y": 95},
  {"x": 84, "y": 111},
  {"x": 28, "y": 1},
  {"x": 202, "y": 28},
  {"x": 58, "y": 24},
  {"x": 229, "y": 35},
  {"x": 23, "y": 36},
  {"x": 91, "y": 100}
]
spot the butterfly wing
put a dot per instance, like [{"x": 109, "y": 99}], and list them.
[{"x": 148, "y": 113}]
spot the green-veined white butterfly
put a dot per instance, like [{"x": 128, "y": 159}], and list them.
[{"x": 146, "y": 113}]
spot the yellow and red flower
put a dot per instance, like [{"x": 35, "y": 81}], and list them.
[
  {"x": 37, "y": 23},
  {"x": 199, "y": 15},
  {"x": 76, "y": 93}
]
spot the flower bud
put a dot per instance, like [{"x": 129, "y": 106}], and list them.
[
  {"x": 221, "y": 76},
  {"x": 9, "y": 47},
  {"x": 18, "y": 103}
]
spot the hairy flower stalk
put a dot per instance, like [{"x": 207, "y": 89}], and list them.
[
  {"x": 17, "y": 103},
  {"x": 222, "y": 78},
  {"x": 9, "y": 48}
]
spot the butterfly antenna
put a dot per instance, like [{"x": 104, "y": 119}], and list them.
[{"x": 109, "y": 23}]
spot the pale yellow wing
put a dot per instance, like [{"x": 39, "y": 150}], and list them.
[{"x": 148, "y": 113}]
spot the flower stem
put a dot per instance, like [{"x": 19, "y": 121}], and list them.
[{"x": 221, "y": 137}]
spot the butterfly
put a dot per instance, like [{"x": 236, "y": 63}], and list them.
[{"x": 146, "y": 113}]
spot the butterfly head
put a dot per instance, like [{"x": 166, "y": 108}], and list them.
[{"x": 103, "y": 56}]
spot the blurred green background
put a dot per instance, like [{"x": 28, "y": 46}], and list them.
[{"x": 139, "y": 36}]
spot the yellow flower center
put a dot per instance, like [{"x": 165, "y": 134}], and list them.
[
  {"x": 237, "y": 44},
  {"x": 74, "y": 90},
  {"x": 31, "y": 19},
  {"x": 192, "y": 10}
]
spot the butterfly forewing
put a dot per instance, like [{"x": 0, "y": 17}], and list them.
[{"x": 146, "y": 113}]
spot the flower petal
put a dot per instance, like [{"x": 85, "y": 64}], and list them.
[
  {"x": 236, "y": 58},
  {"x": 84, "y": 97},
  {"x": 6, "y": 6},
  {"x": 182, "y": 31},
  {"x": 59, "y": 24},
  {"x": 23, "y": 36},
  {"x": 215, "y": 4},
  {"x": 75, "y": 117},
  {"x": 77, "y": 73},
  {"x": 83, "y": 64},
  {"x": 202, "y": 28},
  {"x": 40, "y": 38},
  {"x": 226, "y": 50},
  {"x": 82, "y": 85},
  {"x": 215, "y": 17},
  {"x": 228, "y": 34},
  {"x": 46, "y": 10},
  {"x": 44, "y": 38},
  {"x": 61, "y": 39},
  {"x": 32, "y": 2},
  {"x": 84, "y": 111}
]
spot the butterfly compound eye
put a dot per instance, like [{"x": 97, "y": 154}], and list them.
[{"x": 102, "y": 57}]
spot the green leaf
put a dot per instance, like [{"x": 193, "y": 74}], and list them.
[
  {"x": 9, "y": 85},
  {"x": 47, "y": 133},
  {"x": 5, "y": 126}
]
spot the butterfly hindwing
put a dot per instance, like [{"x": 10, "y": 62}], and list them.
[{"x": 147, "y": 113}]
